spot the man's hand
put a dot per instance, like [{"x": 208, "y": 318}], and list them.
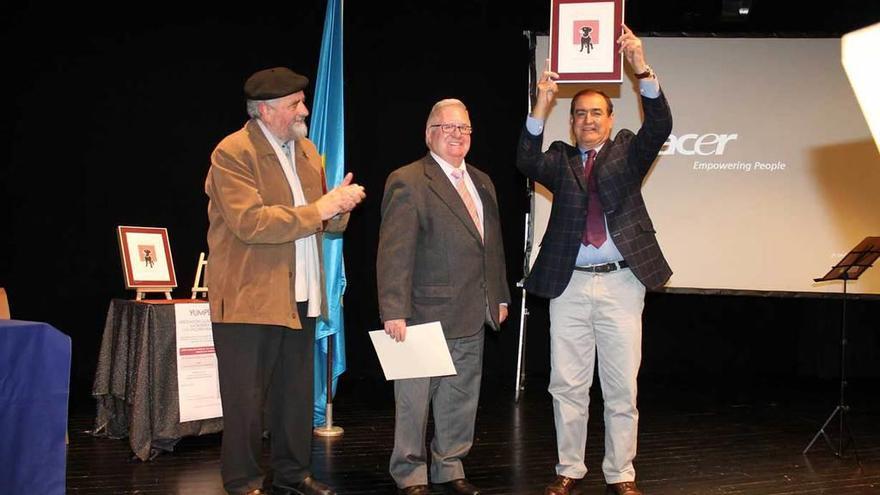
[
  {"x": 396, "y": 329},
  {"x": 502, "y": 313},
  {"x": 341, "y": 199},
  {"x": 547, "y": 90},
  {"x": 631, "y": 48}
]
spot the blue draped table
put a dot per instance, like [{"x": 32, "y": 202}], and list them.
[
  {"x": 136, "y": 379},
  {"x": 34, "y": 389}
]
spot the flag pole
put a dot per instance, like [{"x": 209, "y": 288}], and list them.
[{"x": 329, "y": 429}]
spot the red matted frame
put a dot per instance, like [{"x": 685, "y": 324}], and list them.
[
  {"x": 136, "y": 277},
  {"x": 564, "y": 21}
]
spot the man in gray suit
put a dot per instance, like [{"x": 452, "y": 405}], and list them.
[{"x": 440, "y": 258}]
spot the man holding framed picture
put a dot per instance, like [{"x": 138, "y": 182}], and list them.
[{"x": 598, "y": 256}]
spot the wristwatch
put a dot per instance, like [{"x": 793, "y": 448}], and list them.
[{"x": 645, "y": 75}]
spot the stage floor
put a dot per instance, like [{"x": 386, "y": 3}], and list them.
[{"x": 695, "y": 438}]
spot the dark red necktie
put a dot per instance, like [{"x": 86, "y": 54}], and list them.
[{"x": 594, "y": 233}]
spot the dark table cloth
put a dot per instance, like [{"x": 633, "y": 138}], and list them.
[{"x": 136, "y": 380}]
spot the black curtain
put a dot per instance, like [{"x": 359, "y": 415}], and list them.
[{"x": 111, "y": 116}]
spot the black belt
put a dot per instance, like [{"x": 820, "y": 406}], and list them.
[{"x": 603, "y": 268}]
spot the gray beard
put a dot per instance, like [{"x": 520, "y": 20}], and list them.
[{"x": 299, "y": 130}]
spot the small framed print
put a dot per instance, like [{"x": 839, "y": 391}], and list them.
[
  {"x": 146, "y": 258},
  {"x": 583, "y": 40}
]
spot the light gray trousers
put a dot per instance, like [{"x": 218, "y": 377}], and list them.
[
  {"x": 454, "y": 402},
  {"x": 598, "y": 313}
]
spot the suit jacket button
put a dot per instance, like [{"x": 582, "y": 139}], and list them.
[{"x": 289, "y": 274}]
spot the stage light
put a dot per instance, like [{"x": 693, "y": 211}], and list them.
[
  {"x": 735, "y": 10},
  {"x": 859, "y": 58}
]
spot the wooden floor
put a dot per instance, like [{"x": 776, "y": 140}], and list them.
[{"x": 693, "y": 439}]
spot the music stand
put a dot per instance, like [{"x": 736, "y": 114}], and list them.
[{"x": 850, "y": 267}]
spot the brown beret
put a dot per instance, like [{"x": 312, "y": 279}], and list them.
[{"x": 276, "y": 82}]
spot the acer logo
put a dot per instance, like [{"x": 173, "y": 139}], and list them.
[{"x": 696, "y": 144}]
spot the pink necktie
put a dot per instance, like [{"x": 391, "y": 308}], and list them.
[
  {"x": 466, "y": 197},
  {"x": 594, "y": 233}
]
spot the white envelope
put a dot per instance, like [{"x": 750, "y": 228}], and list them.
[{"x": 423, "y": 353}]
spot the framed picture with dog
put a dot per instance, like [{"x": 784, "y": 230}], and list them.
[
  {"x": 146, "y": 259},
  {"x": 583, "y": 40}
]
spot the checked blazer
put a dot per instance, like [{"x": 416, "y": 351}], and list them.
[{"x": 621, "y": 165}]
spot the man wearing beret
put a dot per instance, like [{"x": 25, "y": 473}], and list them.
[{"x": 267, "y": 211}]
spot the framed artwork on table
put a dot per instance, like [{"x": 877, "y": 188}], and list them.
[
  {"x": 583, "y": 40},
  {"x": 146, "y": 259}
]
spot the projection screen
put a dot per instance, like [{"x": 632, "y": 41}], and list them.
[{"x": 771, "y": 175}]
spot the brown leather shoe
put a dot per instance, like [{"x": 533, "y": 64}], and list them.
[
  {"x": 460, "y": 486},
  {"x": 414, "y": 490},
  {"x": 562, "y": 485},
  {"x": 625, "y": 488}
]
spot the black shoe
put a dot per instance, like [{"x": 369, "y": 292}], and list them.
[
  {"x": 461, "y": 486},
  {"x": 414, "y": 490},
  {"x": 308, "y": 486}
]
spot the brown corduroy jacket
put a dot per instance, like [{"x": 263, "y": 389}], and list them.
[{"x": 253, "y": 227}]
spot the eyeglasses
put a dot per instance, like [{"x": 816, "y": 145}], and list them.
[{"x": 450, "y": 128}]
